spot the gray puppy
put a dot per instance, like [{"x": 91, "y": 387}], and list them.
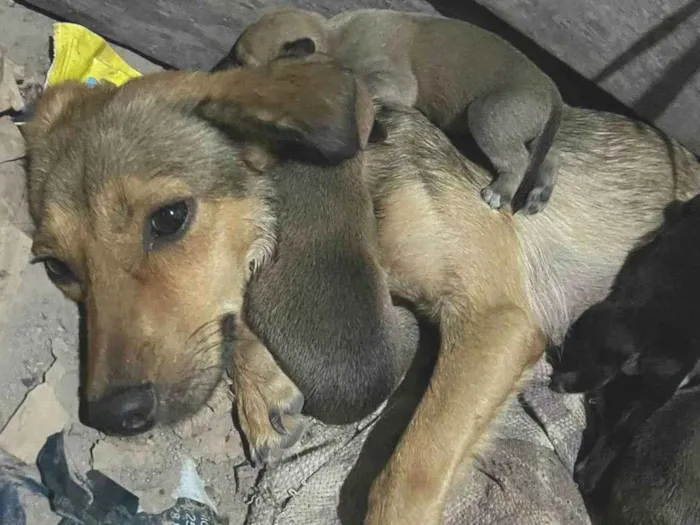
[{"x": 463, "y": 78}]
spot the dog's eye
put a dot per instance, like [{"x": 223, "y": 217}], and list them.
[
  {"x": 168, "y": 220},
  {"x": 167, "y": 223},
  {"x": 58, "y": 271}
]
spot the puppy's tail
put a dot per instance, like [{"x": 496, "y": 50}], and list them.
[{"x": 543, "y": 142}]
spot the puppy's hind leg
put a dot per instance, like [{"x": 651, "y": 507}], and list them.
[
  {"x": 541, "y": 175},
  {"x": 544, "y": 178},
  {"x": 502, "y": 124},
  {"x": 391, "y": 84}
]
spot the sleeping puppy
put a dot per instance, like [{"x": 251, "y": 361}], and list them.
[
  {"x": 321, "y": 292},
  {"x": 318, "y": 290},
  {"x": 324, "y": 294},
  {"x": 483, "y": 85},
  {"x": 636, "y": 347},
  {"x": 657, "y": 479}
]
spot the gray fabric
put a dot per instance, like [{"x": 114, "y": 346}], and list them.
[{"x": 523, "y": 478}]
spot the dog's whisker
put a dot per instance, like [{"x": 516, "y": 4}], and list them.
[
  {"x": 201, "y": 332},
  {"x": 205, "y": 346}
]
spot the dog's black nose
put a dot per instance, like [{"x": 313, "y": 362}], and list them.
[{"x": 125, "y": 411}]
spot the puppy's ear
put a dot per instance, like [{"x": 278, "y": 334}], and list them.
[
  {"x": 301, "y": 107},
  {"x": 303, "y": 47}
]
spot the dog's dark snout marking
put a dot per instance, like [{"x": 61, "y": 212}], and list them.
[{"x": 126, "y": 411}]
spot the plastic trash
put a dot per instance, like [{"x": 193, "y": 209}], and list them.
[
  {"x": 92, "y": 499},
  {"x": 81, "y": 55}
]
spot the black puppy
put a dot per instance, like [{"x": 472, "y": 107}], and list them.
[
  {"x": 657, "y": 479},
  {"x": 632, "y": 350}
]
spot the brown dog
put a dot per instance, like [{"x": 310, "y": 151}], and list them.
[
  {"x": 106, "y": 164},
  {"x": 483, "y": 86},
  {"x": 347, "y": 265}
]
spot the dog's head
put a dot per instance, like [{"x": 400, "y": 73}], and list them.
[
  {"x": 282, "y": 32},
  {"x": 150, "y": 208},
  {"x": 598, "y": 346}
]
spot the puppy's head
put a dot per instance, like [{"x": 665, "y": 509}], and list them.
[
  {"x": 150, "y": 204},
  {"x": 597, "y": 347},
  {"x": 652, "y": 305},
  {"x": 283, "y": 32}
]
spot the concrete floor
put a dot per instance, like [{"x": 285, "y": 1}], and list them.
[{"x": 39, "y": 341}]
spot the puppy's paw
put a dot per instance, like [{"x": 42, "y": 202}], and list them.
[
  {"x": 537, "y": 199},
  {"x": 496, "y": 197},
  {"x": 270, "y": 417},
  {"x": 565, "y": 383},
  {"x": 591, "y": 469}
]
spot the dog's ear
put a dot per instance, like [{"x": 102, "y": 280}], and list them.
[
  {"x": 300, "y": 48},
  {"x": 308, "y": 107},
  {"x": 302, "y": 107},
  {"x": 52, "y": 104}
]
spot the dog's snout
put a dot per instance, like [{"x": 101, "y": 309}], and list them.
[{"x": 125, "y": 411}]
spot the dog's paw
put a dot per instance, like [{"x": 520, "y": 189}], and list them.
[
  {"x": 537, "y": 200},
  {"x": 270, "y": 418},
  {"x": 495, "y": 197}
]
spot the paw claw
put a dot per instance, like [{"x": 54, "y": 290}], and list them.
[
  {"x": 281, "y": 429},
  {"x": 259, "y": 455},
  {"x": 287, "y": 422},
  {"x": 276, "y": 422}
]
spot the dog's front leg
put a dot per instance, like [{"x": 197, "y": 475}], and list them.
[
  {"x": 268, "y": 403},
  {"x": 480, "y": 363}
]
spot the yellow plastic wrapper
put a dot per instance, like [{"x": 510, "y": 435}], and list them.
[{"x": 80, "y": 54}]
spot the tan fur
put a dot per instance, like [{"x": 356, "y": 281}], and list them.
[
  {"x": 559, "y": 261},
  {"x": 496, "y": 284},
  {"x": 260, "y": 387},
  {"x": 152, "y": 301},
  {"x": 173, "y": 299}
]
